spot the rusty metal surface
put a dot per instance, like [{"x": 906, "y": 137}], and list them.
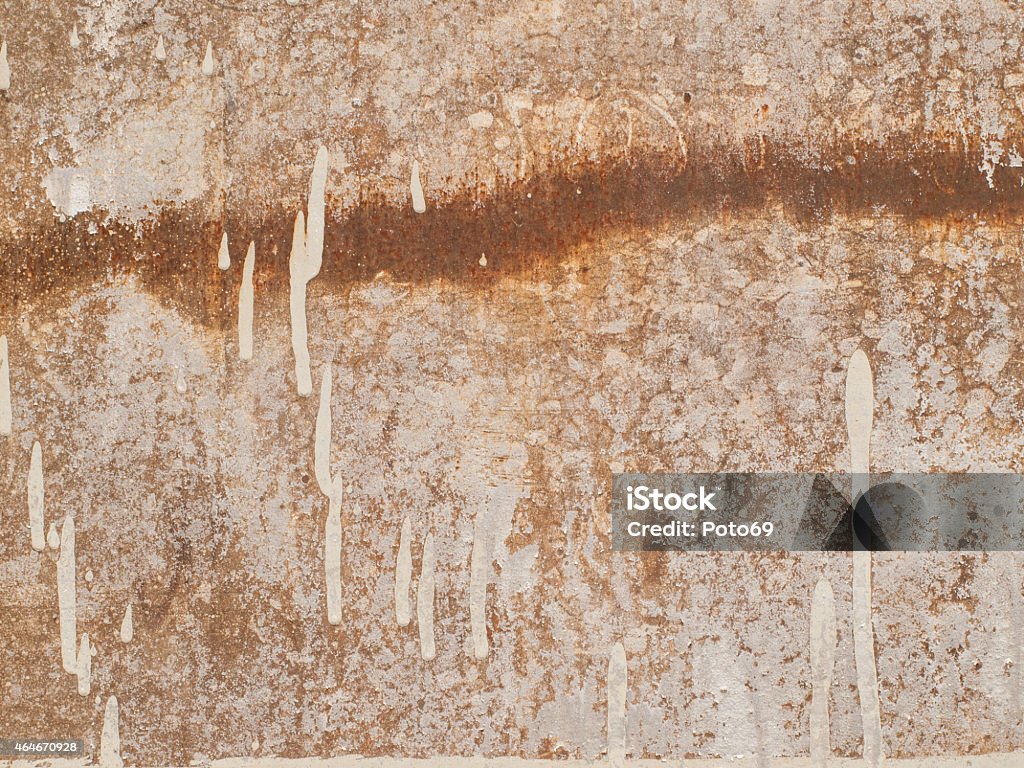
[{"x": 654, "y": 236}]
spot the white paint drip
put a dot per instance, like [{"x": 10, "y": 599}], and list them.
[
  {"x": 160, "y": 52},
  {"x": 425, "y": 601},
  {"x": 403, "y": 575},
  {"x": 224, "y": 255},
  {"x": 304, "y": 264},
  {"x": 83, "y": 666},
  {"x": 5, "y": 68},
  {"x": 322, "y": 435},
  {"x": 35, "y": 497},
  {"x": 52, "y": 537},
  {"x": 864, "y": 655},
  {"x": 208, "y": 60},
  {"x": 245, "y": 305},
  {"x": 110, "y": 736},
  {"x": 127, "y": 625},
  {"x": 419, "y": 203},
  {"x": 859, "y": 412},
  {"x": 75, "y": 42},
  {"x": 6, "y": 417},
  {"x": 617, "y": 706},
  {"x": 823, "y": 656},
  {"x": 316, "y": 214},
  {"x": 297, "y": 307},
  {"x": 332, "y": 553},
  {"x": 479, "y": 567},
  {"x": 66, "y": 600}
]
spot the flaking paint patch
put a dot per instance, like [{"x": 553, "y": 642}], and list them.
[
  {"x": 110, "y": 736},
  {"x": 35, "y": 497},
  {"x": 403, "y": 574},
  {"x": 859, "y": 413},
  {"x": 617, "y": 685},
  {"x": 6, "y": 415},
  {"x": 425, "y": 600},
  {"x": 127, "y": 625},
  {"x": 322, "y": 435},
  {"x": 332, "y": 552},
  {"x": 419, "y": 202},
  {"x": 823, "y": 656},
  {"x": 83, "y": 666},
  {"x": 66, "y": 598},
  {"x": 246, "y": 299}
]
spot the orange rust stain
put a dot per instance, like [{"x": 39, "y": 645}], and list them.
[{"x": 525, "y": 228}]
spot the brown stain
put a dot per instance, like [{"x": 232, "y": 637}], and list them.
[{"x": 525, "y": 228}]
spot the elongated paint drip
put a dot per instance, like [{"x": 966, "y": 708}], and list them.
[
  {"x": 160, "y": 52},
  {"x": 6, "y": 416},
  {"x": 322, "y": 435},
  {"x": 245, "y": 305},
  {"x": 617, "y": 706},
  {"x": 316, "y": 212},
  {"x": 35, "y": 497},
  {"x": 224, "y": 255},
  {"x": 479, "y": 567},
  {"x": 208, "y": 61},
  {"x": 110, "y": 736},
  {"x": 419, "y": 203},
  {"x": 83, "y": 666},
  {"x": 425, "y": 601},
  {"x": 66, "y": 600},
  {"x": 859, "y": 413},
  {"x": 823, "y": 657},
  {"x": 5, "y": 68},
  {"x": 127, "y": 625},
  {"x": 52, "y": 537},
  {"x": 297, "y": 307},
  {"x": 75, "y": 42},
  {"x": 304, "y": 264},
  {"x": 332, "y": 553},
  {"x": 403, "y": 575}
]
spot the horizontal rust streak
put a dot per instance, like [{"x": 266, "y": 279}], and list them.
[{"x": 525, "y": 228}]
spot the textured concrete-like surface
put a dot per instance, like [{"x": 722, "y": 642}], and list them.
[{"x": 560, "y": 240}]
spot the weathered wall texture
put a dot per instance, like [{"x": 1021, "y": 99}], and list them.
[{"x": 654, "y": 235}]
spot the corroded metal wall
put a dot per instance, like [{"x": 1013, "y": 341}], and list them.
[{"x": 559, "y": 240}]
